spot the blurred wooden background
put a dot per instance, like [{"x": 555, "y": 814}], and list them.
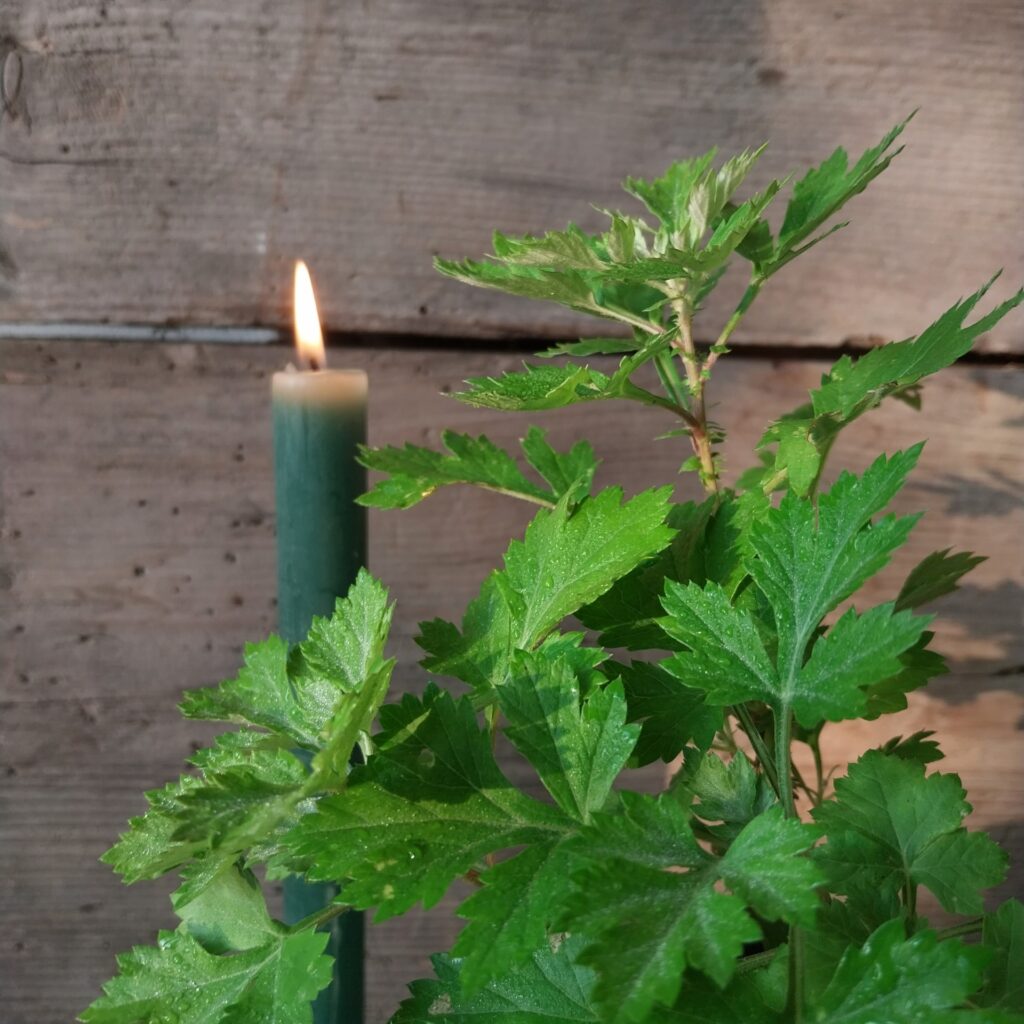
[{"x": 163, "y": 162}]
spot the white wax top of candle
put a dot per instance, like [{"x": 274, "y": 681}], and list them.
[{"x": 320, "y": 387}]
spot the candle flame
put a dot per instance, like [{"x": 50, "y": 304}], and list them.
[{"x": 309, "y": 339}]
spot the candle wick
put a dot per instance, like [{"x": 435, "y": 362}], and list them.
[{"x": 314, "y": 363}]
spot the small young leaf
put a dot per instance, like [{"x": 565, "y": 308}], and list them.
[
  {"x": 918, "y": 747},
  {"x": 935, "y": 577},
  {"x": 890, "y": 826},
  {"x": 592, "y": 347},
  {"x": 726, "y": 796}
]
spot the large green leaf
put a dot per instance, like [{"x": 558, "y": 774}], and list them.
[
  {"x": 645, "y": 925},
  {"x": 511, "y": 914},
  {"x": 427, "y": 807},
  {"x": 550, "y": 988},
  {"x": 1003, "y": 935},
  {"x": 890, "y": 827},
  {"x": 577, "y": 747},
  {"x": 899, "y": 980},
  {"x": 568, "y": 557},
  {"x": 178, "y": 980}
]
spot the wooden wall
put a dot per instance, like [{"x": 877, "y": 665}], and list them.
[
  {"x": 163, "y": 161},
  {"x": 137, "y": 558}
]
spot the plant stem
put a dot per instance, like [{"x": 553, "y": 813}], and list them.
[
  {"x": 759, "y": 745},
  {"x": 783, "y": 764},
  {"x": 321, "y": 917},
  {"x": 694, "y": 376},
  {"x": 745, "y": 303},
  {"x": 670, "y": 378},
  {"x": 819, "y": 771},
  {"x": 971, "y": 927}
]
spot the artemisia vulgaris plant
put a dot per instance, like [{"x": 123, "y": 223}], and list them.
[{"x": 618, "y": 632}]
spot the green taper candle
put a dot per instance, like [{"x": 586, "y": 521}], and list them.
[{"x": 319, "y": 421}]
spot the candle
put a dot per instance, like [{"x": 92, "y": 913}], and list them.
[{"x": 319, "y": 420}]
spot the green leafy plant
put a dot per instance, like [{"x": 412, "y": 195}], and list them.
[{"x": 743, "y": 892}]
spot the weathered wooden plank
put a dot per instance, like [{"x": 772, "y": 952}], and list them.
[
  {"x": 137, "y": 558},
  {"x": 164, "y": 161}
]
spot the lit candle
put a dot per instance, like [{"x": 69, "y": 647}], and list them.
[{"x": 319, "y": 421}]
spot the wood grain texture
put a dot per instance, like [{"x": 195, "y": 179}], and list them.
[
  {"x": 137, "y": 558},
  {"x": 165, "y": 160}
]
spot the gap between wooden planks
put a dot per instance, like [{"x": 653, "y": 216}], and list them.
[{"x": 137, "y": 557}]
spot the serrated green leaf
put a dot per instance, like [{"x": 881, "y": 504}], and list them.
[
  {"x": 304, "y": 695},
  {"x": 592, "y": 347},
  {"x": 653, "y": 832},
  {"x": 918, "y": 747},
  {"x": 899, "y": 980},
  {"x": 858, "y": 651},
  {"x": 670, "y": 714},
  {"x": 260, "y": 695},
  {"x": 343, "y": 649},
  {"x": 236, "y": 806},
  {"x": 570, "y": 473},
  {"x": 628, "y": 615},
  {"x": 537, "y": 388},
  {"x": 822, "y": 192},
  {"x": 577, "y": 748},
  {"x": 427, "y": 807},
  {"x": 644, "y": 925},
  {"x": 889, "y": 826},
  {"x": 1003, "y": 936},
  {"x": 935, "y": 576},
  {"x": 567, "y": 558},
  {"x": 852, "y": 387},
  {"x": 809, "y": 559},
  {"x": 551, "y": 988},
  {"x": 180, "y": 981},
  {"x": 417, "y": 472},
  {"x": 510, "y": 916},
  {"x": 804, "y": 560}
]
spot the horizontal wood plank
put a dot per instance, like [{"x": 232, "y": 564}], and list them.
[
  {"x": 163, "y": 161},
  {"x": 136, "y": 557}
]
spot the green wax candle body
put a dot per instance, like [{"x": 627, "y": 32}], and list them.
[{"x": 319, "y": 420}]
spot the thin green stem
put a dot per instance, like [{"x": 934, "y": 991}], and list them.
[
  {"x": 695, "y": 379},
  {"x": 670, "y": 378},
  {"x": 320, "y": 918},
  {"x": 969, "y": 927},
  {"x": 783, "y": 763},
  {"x": 730, "y": 325},
  {"x": 819, "y": 769},
  {"x": 910, "y": 902},
  {"x": 759, "y": 745}
]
